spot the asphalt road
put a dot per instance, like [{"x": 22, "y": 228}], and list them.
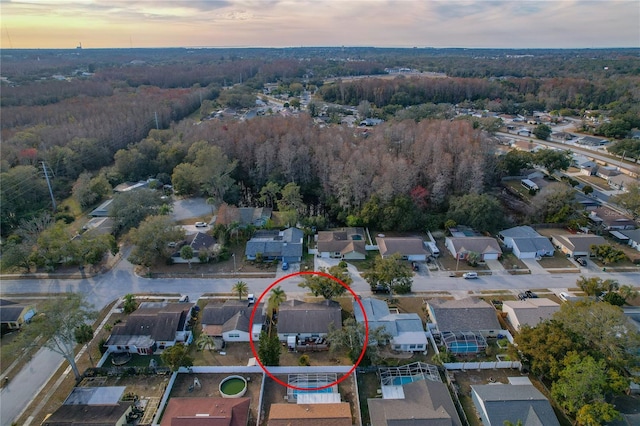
[{"x": 105, "y": 288}]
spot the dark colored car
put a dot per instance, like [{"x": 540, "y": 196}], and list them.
[
  {"x": 582, "y": 261},
  {"x": 414, "y": 266}
]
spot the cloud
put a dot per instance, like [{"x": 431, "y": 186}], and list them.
[{"x": 405, "y": 23}]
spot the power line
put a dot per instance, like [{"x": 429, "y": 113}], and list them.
[{"x": 46, "y": 175}]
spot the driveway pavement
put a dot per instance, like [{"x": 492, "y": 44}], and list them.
[
  {"x": 191, "y": 208},
  {"x": 534, "y": 266}
]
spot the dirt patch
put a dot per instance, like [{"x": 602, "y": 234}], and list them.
[
  {"x": 465, "y": 379},
  {"x": 209, "y": 387}
]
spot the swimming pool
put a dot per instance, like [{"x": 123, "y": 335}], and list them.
[
  {"x": 402, "y": 380},
  {"x": 462, "y": 347},
  {"x": 315, "y": 385}
]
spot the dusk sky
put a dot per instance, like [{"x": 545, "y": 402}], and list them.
[{"x": 294, "y": 23}]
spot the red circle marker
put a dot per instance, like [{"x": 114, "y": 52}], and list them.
[{"x": 366, "y": 331}]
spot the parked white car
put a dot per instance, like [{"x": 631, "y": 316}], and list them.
[
  {"x": 201, "y": 224},
  {"x": 470, "y": 275}
]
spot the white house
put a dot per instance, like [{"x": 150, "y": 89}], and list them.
[
  {"x": 152, "y": 327},
  {"x": 460, "y": 247},
  {"x": 622, "y": 182},
  {"x": 526, "y": 242},
  {"x": 634, "y": 237},
  {"x": 230, "y": 320},
  {"x": 406, "y": 329},
  {"x": 346, "y": 244},
  {"x": 308, "y": 320}
]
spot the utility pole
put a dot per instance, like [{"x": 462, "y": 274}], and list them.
[
  {"x": 234, "y": 263},
  {"x": 46, "y": 175},
  {"x": 155, "y": 114}
]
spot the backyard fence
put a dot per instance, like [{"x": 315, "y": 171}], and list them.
[{"x": 482, "y": 365}]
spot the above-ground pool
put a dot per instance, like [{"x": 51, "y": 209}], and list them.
[{"x": 233, "y": 387}]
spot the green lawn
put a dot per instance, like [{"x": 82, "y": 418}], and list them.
[{"x": 366, "y": 264}]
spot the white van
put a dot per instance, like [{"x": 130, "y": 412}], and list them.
[
  {"x": 470, "y": 275},
  {"x": 251, "y": 298}
]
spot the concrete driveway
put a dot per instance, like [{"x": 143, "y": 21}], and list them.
[{"x": 192, "y": 208}]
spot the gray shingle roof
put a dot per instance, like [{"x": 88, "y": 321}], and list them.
[
  {"x": 231, "y": 315},
  {"x": 11, "y": 313},
  {"x": 287, "y": 243},
  {"x": 343, "y": 241},
  {"x": 580, "y": 243},
  {"x": 532, "y": 311},
  {"x": 378, "y": 315},
  {"x": 159, "y": 322},
  {"x": 515, "y": 402},
  {"x": 202, "y": 241},
  {"x": 405, "y": 246},
  {"x": 534, "y": 244},
  {"x": 633, "y": 235},
  {"x": 482, "y": 245},
  {"x": 468, "y": 314},
  {"x": 295, "y": 316},
  {"x": 519, "y": 232},
  {"x": 426, "y": 403}
]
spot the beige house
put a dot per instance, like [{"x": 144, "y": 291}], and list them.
[
  {"x": 460, "y": 247},
  {"x": 13, "y": 315},
  {"x": 348, "y": 243},
  {"x": 577, "y": 244},
  {"x": 529, "y": 311},
  {"x": 410, "y": 248}
]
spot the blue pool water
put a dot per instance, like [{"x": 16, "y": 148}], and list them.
[
  {"x": 325, "y": 390},
  {"x": 402, "y": 380},
  {"x": 463, "y": 347}
]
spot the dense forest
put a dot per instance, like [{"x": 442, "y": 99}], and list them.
[{"x": 120, "y": 115}]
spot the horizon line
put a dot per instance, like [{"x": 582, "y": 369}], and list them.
[{"x": 324, "y": 47}]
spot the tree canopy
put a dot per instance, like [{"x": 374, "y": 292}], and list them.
[
  {"x": 326, "y": 287},
  {"x": 129, "y": 209},
  {"x": 58, "y": 323},
  {"x": 241, "y": 289},
  {"x": 152, "y": 238},
  {"x": 553, "y": 160},
  {"x": 629, "y": 200},
  {"x": 480, "y": 211},
  {"x": 269, "y": 348},
  {"x": 390, "y": 273},
  {"x": 585, "y": 381},
  {"x": 351, "y": 336},
  {"x": 177, "y": 356}
]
